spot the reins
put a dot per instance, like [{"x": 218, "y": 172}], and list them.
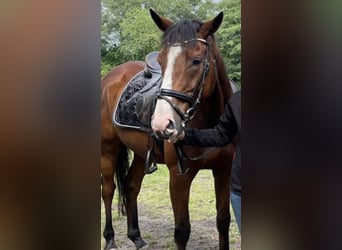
[{"x": 194, "y": 100}]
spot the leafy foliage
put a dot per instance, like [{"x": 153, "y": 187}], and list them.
[
  {"x": 229, "y": 37},
  {"x": 139, "y": 35},
  {"x": 128, "y": 32}
]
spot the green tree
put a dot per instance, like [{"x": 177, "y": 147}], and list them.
[
  {"x": 129, "y": 33},
  {"x": 139, "y": 35},
  {"x": 229, "y": 37}
]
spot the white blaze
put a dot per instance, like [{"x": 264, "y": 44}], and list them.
[{"x": 163, "y": 112}]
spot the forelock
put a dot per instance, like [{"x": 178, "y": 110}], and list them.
[{"x": 180, "y": 32}]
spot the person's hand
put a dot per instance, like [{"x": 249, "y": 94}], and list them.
[{"x": 176, "y": 138}]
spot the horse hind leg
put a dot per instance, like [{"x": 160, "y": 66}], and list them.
[
  {"x": 133, "y": 186},
  {"x": 108, "y": 159}
]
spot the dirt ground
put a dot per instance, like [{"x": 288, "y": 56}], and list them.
[
  {"x": 156, "y": 220},
  {"x": 157, "y": 231}
]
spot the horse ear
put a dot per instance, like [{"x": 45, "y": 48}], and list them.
[
  {"x": 211, "y": 26},
  {"x": 161, "y": 22}
]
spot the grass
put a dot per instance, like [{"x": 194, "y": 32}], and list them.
[{"x": 154, "y": 197}]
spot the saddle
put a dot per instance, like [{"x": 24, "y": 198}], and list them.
[
  {"x": 137, "y": 101},
  {"x": 136, "y": 106},
  {"x": 152, "y": 66}
]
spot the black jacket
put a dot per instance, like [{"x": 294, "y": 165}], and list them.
[{"x": 227, "y": 127}]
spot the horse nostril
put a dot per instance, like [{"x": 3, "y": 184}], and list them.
[{"x": 171, "y": 125}]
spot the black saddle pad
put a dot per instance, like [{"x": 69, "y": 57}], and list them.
[{"x": 125, "y": 113}]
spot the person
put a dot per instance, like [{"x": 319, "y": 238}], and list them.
[{"x": 227, "y": 128}]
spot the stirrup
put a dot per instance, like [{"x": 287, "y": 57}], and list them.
[{"x": 150, "y": 168}]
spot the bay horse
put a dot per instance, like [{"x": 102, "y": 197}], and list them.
[{"x": 193, "y": 93}]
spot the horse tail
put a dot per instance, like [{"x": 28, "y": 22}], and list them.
[{"x": 122, "y": 166}]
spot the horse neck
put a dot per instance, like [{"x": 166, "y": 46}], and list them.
[
  {"x": 223, "y": 87},
  {"x": 212, "y": 107},
  {"x": 222, "y": 75}
]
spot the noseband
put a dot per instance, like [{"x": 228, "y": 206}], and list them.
[{"x": 193, "y": 99}]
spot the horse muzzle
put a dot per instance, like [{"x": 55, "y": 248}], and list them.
[{"x": 164, "y": 130}]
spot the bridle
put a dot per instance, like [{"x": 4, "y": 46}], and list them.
[{"x": 193, "y": 99}]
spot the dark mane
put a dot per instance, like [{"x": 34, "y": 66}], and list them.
[
  {"x": 203, "y": 88},
  {"x": 181, "y": 31}
]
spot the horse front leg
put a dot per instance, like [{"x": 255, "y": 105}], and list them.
[
  {"x": 179, "y": 193},
  {"x": 108, "y": 187},
  {"x": 222, "y": 187},
  {"x": 133, "y": 186}
]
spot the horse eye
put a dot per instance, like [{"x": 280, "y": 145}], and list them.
[{"x": 196, "y": 62}]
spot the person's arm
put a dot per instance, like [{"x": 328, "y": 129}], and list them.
[{"x": 220, "y": 135}]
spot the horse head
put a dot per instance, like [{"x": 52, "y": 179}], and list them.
[{"x": 187, "y": 59}]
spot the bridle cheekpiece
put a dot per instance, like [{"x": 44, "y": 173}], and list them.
[{"x": 193, "y": 99}]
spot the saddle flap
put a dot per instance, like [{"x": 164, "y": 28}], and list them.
[{"x": 137, "y": 101}]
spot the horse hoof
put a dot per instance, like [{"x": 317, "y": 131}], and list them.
[
  {"x": 140, "y": 244},
  {"x": 145, "y": 247},
  {"x": 110, "y": 245}
]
